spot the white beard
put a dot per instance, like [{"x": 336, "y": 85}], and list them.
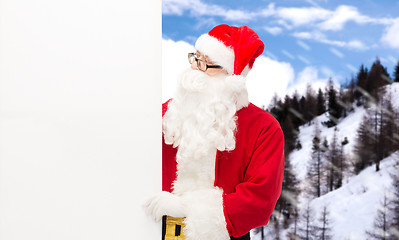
[{"x": 200, "y": 120}]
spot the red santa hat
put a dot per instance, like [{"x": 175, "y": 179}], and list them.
[{"x": 233, "y": 48}]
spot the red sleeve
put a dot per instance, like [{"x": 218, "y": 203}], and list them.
[
  {"x": 165, "y": 107},
  {"x": 254, "y": 200},
  {"x": 168, "y": 159}
]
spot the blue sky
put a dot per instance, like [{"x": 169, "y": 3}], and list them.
[{"x": 332, "y": 38}]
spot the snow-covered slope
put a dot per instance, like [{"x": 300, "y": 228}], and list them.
[
  {"x": 394, "y": 90},
  {"x": 347, "y": 127},
  {"x": 354, "y": 206}
]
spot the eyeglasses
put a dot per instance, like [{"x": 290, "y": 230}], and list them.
[{"x": 201, "y": 64}]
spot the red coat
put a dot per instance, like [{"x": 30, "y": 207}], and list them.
[{"x": 251, "y": 175}]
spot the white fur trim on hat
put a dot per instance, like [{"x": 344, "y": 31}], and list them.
[
  {"x": 205, "y": 217},
  {"x": 216, "y": 51}
]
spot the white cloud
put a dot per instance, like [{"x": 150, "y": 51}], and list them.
[
  {"x": 327, "y": 72},
  {"x": 324, "y": 19},
  {"x": 208, "y": 22},
  {"x": 304, "y": 59},
  {"x": 313, "y": 3},
  {"x": 302, "y": 16},
  {"x": 393, "y": 60},
  {"x": 237, "y": 15},
  {"x": 308, "y": 76},
  {"x": 337, "y": 53},
  {"x": 342, "y": 15},
  {"x": 198, "y": 8},
  {"x": 269, "y": 11},
  {"x": 270, "y": 55},
  {"x": 175, "y": 7},
  {"x": 352, "y": 68},
  {"x": 391, "y": 35},
  {"x": 267, "y": 76},
  {"x": 305, "y": 35},
  {"x": 273, "y": 30},
  {"x": 303, "y": 45},
  {"x": 286, "y": 53},
  {"x": 320, "y": 37},
  {"x": 174, "y": 61},
  {"x": 354, "y": 44}
]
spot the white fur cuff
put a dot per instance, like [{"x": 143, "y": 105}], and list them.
[
  {"x": 164, "y": 203},
  {"x": 205, "y": 218}
]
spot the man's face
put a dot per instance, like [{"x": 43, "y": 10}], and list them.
[{"x": 209, "y": 71}]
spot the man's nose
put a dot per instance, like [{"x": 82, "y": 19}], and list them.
[{"x": 194, "y": 65}]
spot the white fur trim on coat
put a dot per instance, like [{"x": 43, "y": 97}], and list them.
[
  {"x": 219, "y": 53},
  {"x": 205, "y": 218},
  {"x": 237, "y": 84}
]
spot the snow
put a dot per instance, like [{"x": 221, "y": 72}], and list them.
[
  {"x": 394, "y": 90},
  {"x": 352, "y": 207},
  {"x": 347, "y": 127}
]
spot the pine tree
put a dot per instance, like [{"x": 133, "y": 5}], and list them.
[
  {"x": 380, "y": 139},
  {"x": 323, "y": 230},
  {"x": 333, "y": 157},
  {"x": 306, "y": 230},
  {"x": 361, "y": 85},
  {"x": 396, "y": 129},
  {"x": 290, "y": 135},
  {"x": 274, "y": 104},
  {"x": 342, "y": 163},
  {"x": 315, "y": 168},
  {"x": 396, "y": 73},
  {"x": 325, "y": 148},
  {"x": 296, "y": 111},
  {"x": 304, "y": 107},
  {"x": 394, "y": 226},
  {"x": 351, "y": 90},
  {"x": 347, "y": 97},
  {"x": 293, "y": 233},
  {"x": 311, "y": 106},
  {"x": 288, "y": 199},
  {"x": 381, "y": 222},
  {"x": 388, "y": 126},
  {"x": 334, "y": 109},
  {"x": 377, "y": 78},
  {"x": 364, "y": 145},
  {"x": 321, "y": 103},
  {"x": 276, "y": 229}
]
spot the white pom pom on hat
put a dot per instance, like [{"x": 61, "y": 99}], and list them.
[{"x": 233, "y": 48}]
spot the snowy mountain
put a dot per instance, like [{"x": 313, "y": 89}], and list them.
[{"x": 353, "y": 206}]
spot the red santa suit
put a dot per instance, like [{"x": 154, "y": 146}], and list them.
[
  {"x": 250, "y": 176},
  {"x": 223, "y": 163}
]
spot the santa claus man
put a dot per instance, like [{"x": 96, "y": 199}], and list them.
[{"x": 223, "y": 159}]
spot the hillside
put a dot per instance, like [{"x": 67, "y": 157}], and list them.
[{"x": 354, "y": 205}]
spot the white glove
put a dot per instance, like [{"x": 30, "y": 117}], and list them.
[{"x": 165, "y": 203}]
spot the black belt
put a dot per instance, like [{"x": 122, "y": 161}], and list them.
[{"x": 245, "y": 237}]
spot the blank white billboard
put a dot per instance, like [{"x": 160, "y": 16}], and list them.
[{"x": 80, "y": 118}]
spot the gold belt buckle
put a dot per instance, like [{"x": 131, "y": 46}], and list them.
[{"x": 174, "y": 228}]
